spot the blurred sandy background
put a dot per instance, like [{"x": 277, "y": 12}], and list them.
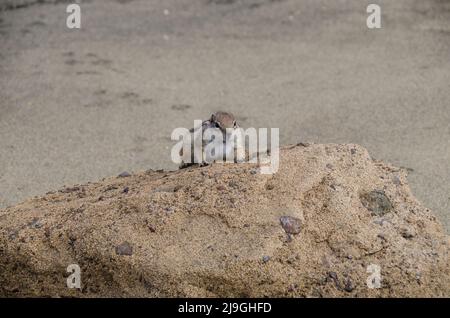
[{"x": 79, "y": 105}]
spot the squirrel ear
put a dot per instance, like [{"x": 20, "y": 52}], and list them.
[{"x": 213, "y": 117}]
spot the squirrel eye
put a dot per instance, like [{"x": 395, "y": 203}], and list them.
[
  {"x": 217, "y": 125},
  {"x": 234, "y": 124}
]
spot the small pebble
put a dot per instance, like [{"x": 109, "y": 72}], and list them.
[
  {"x": 124, "y": 249},
  {"x": 265, "y": 259},
  {"x": 332, "y": 275},
  {"x": 292, "y": 288},
  {"x": 169, "y": 210},
  {"x": 126, "y": 189},
  {"x": 376, "y": 202},
  {"x": 291, "y": 225},
  {"x": 124, "y": 174},
  {"x": 348, "y": 285}
]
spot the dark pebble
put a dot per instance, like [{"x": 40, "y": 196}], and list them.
[
  {"x": 169, "y": 210},
  {"x": 124, "y": 249},
  {"x": 124, "y": 174},
  {"x": 376, "y": 202},
  {"x": 265, "y": 259},
  {"x": 126, "y": 189},
  {"x": 348, "y": 286},
  {"x": 332, "y": 275},
  {"x": 291, "y": 225}
]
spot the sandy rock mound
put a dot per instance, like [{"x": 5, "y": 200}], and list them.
[{"x": 321, "y": 226}]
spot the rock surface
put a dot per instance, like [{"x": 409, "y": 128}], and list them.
[{"x": 221, "y": 231}]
